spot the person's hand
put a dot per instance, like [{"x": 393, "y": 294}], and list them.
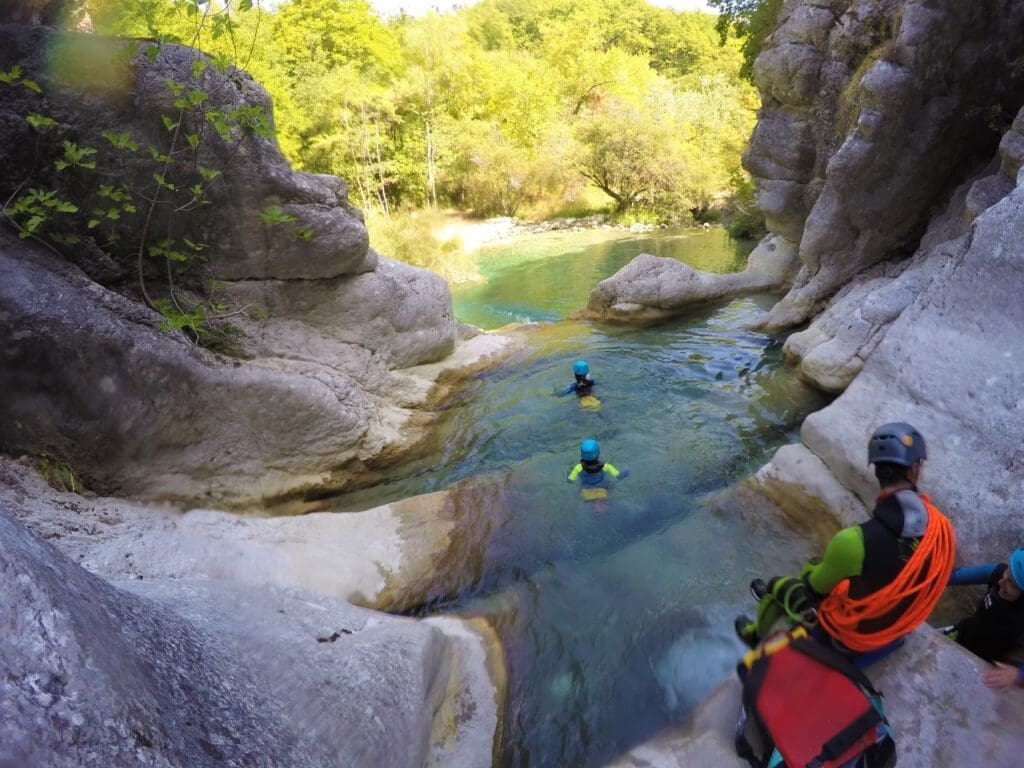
[{"x": 1001, "y": 676}]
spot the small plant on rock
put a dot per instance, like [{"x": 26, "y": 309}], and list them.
[{"x": 134, "y": 201}]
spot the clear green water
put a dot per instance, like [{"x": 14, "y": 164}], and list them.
[
  {"x": 549, "y": 277},
  {"x": 615, "y": 621}
]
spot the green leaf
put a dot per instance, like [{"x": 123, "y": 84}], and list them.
[
  {"x": 274, "y": 215},
  {"x": 218, "y": 120},
  {"x": 33, "y": 223},
  {"x": 64, "y": 207},
  {"x": 38, "y": 121},
  {"x": 93, "y": 223},
  {"x": 208, "y": 174},
  {"x": 197, "y": 97},
  {"x": 170, "y": 124},
  {"x": 303, "y": 233},
  {"x": 245, "y": 5},
  {"x": 75, "y": 156},
  {"x": 159, "y": 156},
  {"x": 32, "y": 85},
  {"x": 152, "y": 51},
  {"x": 11, "y": 76},
  {"x": 161, "y": 181},
  {"x": 121, "y": 140},
  {"x": 193, "y": 140},
  {"x": 198, "y": 67}
]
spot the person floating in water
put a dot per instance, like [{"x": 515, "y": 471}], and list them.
[
  {"x": 583, "y": 385},
  {"x": 592, "y": 474}
]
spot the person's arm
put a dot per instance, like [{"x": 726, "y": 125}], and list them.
[
  {"x": 972, "y": 574},
  {"x": 569, "y": 388},
  {"x": 613, "y": 471},
  {"x": 1003, "y": 676},
  {"x": 574, "y": 473},
  {"x": 843, "y": 558}
]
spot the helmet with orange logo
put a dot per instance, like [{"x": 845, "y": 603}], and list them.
[{"x": 896, "y": 443}]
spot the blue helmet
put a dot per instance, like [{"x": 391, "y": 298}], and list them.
[
  {"x": 896, "y": 443},
  {"x": 580, "y": 368},
  {"x": 590, "y": 450},
  {"x": 1017, "y": 567}
]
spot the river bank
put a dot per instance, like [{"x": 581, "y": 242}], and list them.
[{"x": 473, "y": 234}]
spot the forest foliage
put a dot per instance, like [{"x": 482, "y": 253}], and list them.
[{"x": 501, "y": 108}]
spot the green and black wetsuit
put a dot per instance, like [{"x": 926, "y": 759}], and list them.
[{"x": 870, "y": 555}]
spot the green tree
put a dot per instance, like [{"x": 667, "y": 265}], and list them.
[{"x": 751, "y": 20}]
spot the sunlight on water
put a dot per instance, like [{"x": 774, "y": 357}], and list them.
[{"x": 615, "y": 617}]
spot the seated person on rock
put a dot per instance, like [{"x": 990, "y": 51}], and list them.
[
  {"x": 592, "y": 474},
  {"x": 878, "y": 580},
  {"x": 583, "y": 382},
  {"x": 996, "y": 627}
]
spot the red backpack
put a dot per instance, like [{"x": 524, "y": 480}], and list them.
[{"x": 806, "y": 706}]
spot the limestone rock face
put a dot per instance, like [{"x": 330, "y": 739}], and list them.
[
  {"x": 204, "y": 673},
  {"x": 264, "y": 592},
  {"x": 337, "y": 339},
  {"x": 652, "y": 288},
  {"x": 956, "y": 375},
  {"x": 90, "y": 85},
  {"x": 833, "y": 349},
  {"x": 395, "y": 557},
  {"x": 394, "y": 317},
  {"x": 950, "y": 365},
  {"x": 873, "y": 112},
  {"x": 87, "y": 376},
  {"x": 31, "y": 11}
]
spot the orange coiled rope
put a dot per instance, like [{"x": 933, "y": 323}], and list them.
[{"x": 923, "y": 579}]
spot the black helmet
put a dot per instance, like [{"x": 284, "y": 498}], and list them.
[{"x": 896, "y": 443}]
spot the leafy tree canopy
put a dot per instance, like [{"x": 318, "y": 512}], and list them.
[{"x": 501, "y": 107}]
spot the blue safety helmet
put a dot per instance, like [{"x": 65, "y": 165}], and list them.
[
  {"x": 580, "y": 368},
  {"x": 1017, "y": 567},
  {"x": 589, "y": 450},
  {"x": 896, "y": 443}
]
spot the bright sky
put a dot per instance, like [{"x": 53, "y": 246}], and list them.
[{"x": 414, "y": 7}]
